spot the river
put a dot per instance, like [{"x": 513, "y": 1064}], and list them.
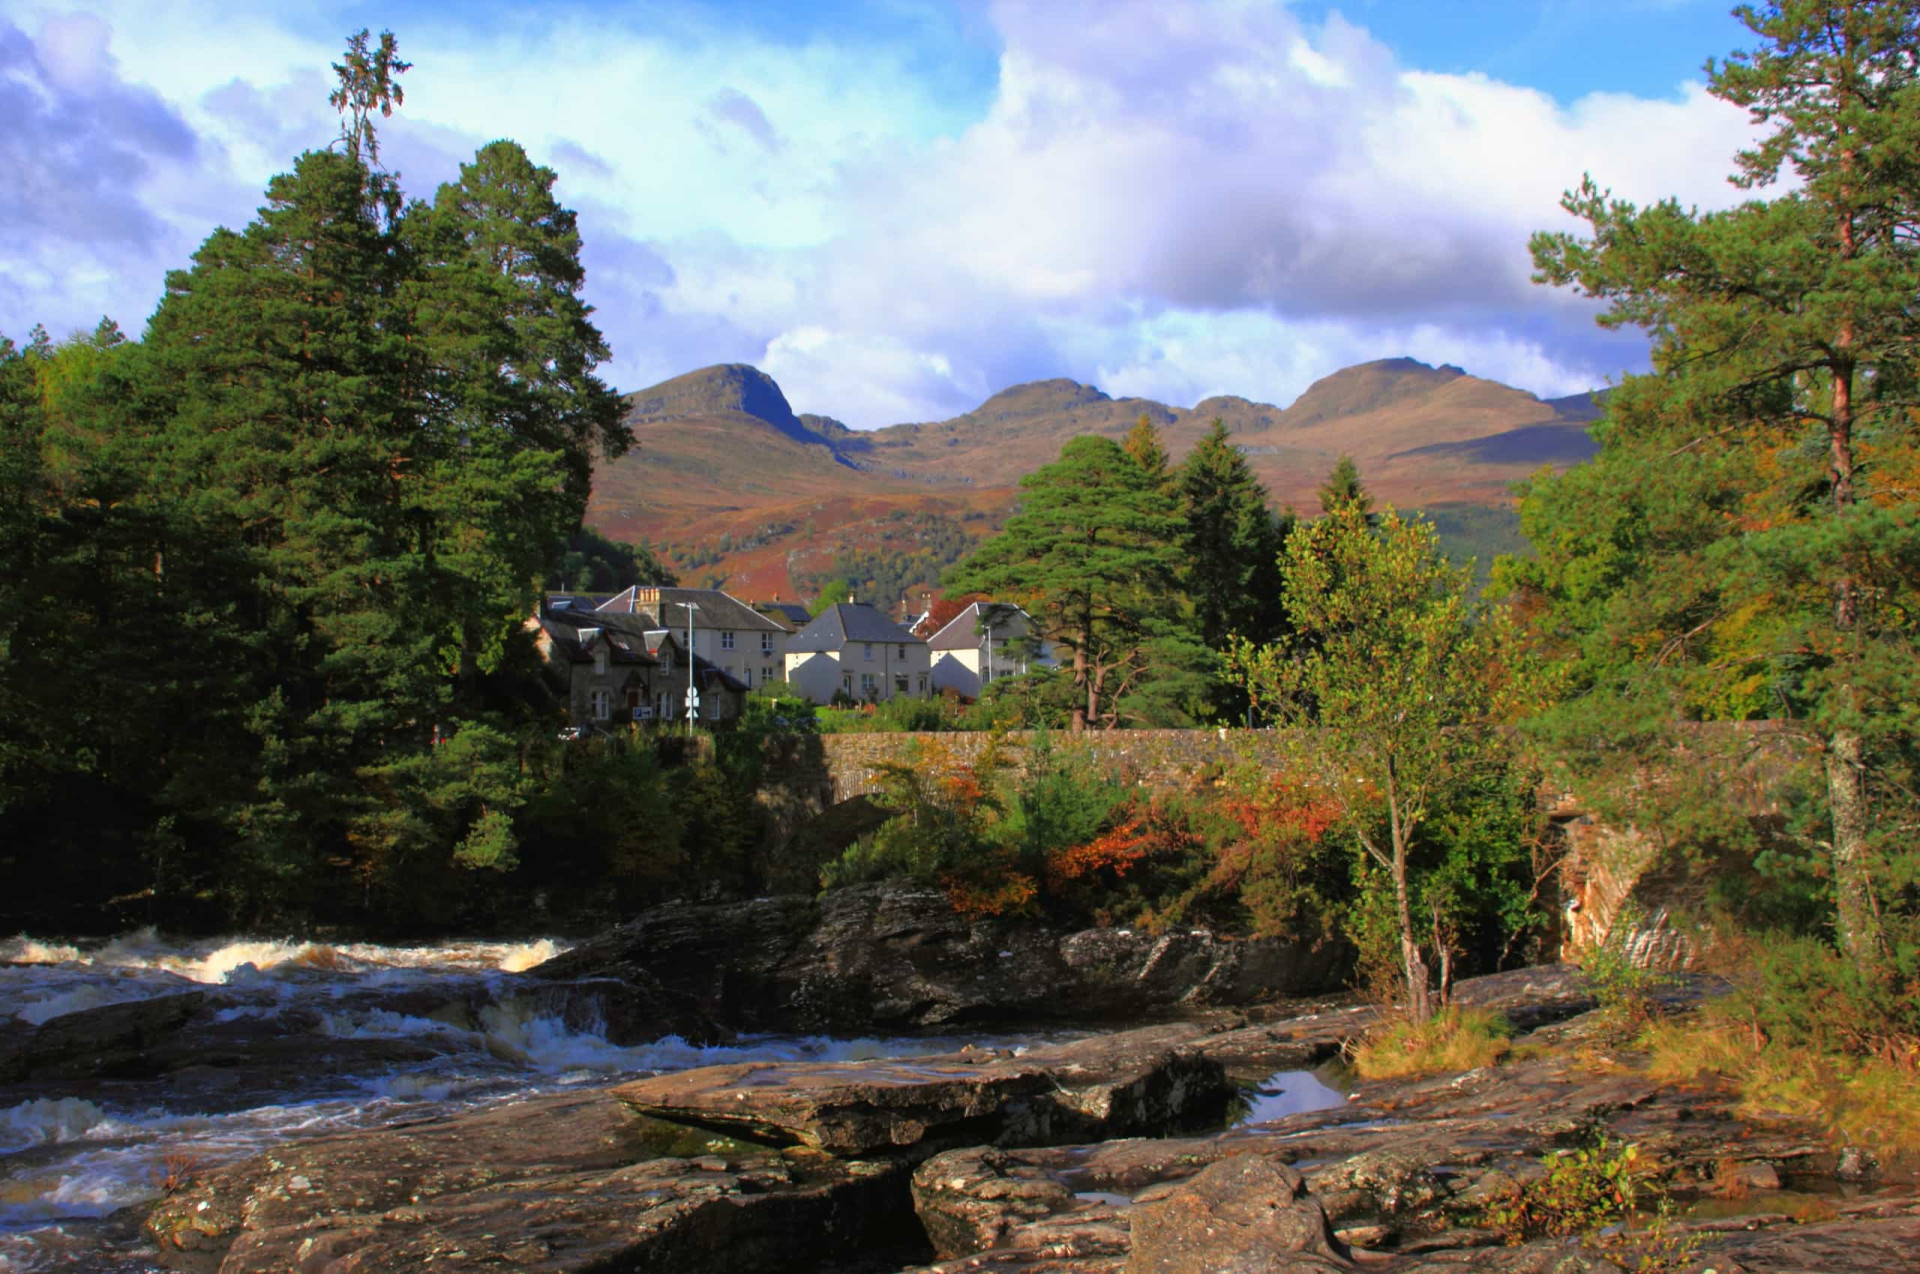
[{"x": 303, "y": 1038}]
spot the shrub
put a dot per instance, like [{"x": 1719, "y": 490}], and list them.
[{"x": 1626, "y": 991}]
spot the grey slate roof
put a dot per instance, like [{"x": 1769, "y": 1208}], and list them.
[
  {"x": 570, "y": 629},
  {"x": 847, "y": 622},
  {"x": 717, "y": 609},
  {"x": 962, "y": 632},
  {"x": 792, "y": 614}
]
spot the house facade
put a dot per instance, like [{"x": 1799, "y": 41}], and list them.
[
  {"x": 617, "y": 670},
  {"x": 853, "y": 650},
  {"x": 729, "y": 634},
  {"x": 984, "y": 642}
]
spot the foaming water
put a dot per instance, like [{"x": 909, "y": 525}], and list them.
[{"x": 406, "y": 1032}]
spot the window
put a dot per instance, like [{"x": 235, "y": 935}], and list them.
[
  {"x": 901, "y": 653},
  {"x": 766, "y": 643},
  {"x": 867, "y": 687},
  {"x": 602, "y": 701},
  {"x": 869, "y": 652},
  {"x": 726, "y": 640},
  {"x": 900, "y": 683},
  {"x": 769, "y": 673},
  {"x": 600, "y": 662}
]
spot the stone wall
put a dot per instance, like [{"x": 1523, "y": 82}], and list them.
[
  {"x": 1611, "y": 867},
  {"x": 1165, "y": 759}
]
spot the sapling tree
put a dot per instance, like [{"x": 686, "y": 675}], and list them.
[{"x": 1400, "y": 681}]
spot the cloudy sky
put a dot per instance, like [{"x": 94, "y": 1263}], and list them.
[{"x": 898, "y": 207}]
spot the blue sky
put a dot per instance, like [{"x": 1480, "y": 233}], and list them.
[{"x": 898, "y": 208}]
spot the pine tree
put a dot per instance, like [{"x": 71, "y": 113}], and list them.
[
  {"x": 1342, "y": 487},
  {"x": 1144, "y": 445},
  {"x": 1233, "y": 542},
  {"x": 1093, "y": 555},
  {"x": 1782, "y": 392}
]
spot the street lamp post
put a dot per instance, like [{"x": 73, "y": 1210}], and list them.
[{"x": 693, "y": 695}]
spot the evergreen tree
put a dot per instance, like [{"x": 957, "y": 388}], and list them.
[
  {"x": 1781, "y": 398},
  {"x": 1342, "y": 487},
  {"x": 1232, "y": 542},
  {"x": 1144, "y": 445},
  {"x": 369, "y": 81},
  {"x": 1093, "y": 555}
]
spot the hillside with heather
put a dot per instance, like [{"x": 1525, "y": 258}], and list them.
[{"x": 741, "y": 490}]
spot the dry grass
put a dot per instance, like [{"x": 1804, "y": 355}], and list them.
[
  {"x": 1857, "y": 1101},
  {"x": 1454, "y": 1040}
]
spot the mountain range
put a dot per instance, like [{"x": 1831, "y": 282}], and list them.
[{"x": 742, "y": 490}]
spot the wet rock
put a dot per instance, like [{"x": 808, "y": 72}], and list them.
[
  {"x": 1243, "y": 1215},
  {"x": 1112, "y": 1085},
  {"x": 109, "y": 1040},
  {"x": 574, "y": 1182},
  {"x": 897, "y": 956}
]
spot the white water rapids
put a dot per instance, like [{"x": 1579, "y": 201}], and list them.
[{"x": 80, "y": 1160}]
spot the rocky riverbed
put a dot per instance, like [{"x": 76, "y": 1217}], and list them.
[{"x": 1224, "y": 1137}]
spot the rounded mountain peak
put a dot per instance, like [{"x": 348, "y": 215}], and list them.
[
  {"x": 1037, "y": 397},
  {"x": 1365, "y": 387},
  {"x": 724, "y": 387}
]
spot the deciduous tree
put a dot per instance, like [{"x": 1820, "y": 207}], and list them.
[{"x": 1400, "y": 681}]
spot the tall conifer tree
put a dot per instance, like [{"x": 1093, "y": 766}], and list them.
[{"x": 1783, "y": 391}]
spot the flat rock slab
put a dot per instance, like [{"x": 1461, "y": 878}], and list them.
[
  {"x": 1407, "y": 1168},
  {"x": 1145, "y": 1081},
  {"x": 576, "y": 1182}
]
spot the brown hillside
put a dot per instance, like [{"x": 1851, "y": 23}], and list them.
[{"x": 721, "y": 453}]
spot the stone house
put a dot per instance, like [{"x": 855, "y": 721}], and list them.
[
  {"x": 984, "y": 642},
  {"x": 747, "y": 646},
  {"x": 618, "y": 669},
  {"x": 853, "y": 650}
]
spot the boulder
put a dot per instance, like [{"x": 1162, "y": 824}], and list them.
[
  {"x": 1147, "y": 1080},
  {"x": 110, "y": 1040},
  {"x": 898, "y": 957},
  {"x": 1243, "y": 1215}
]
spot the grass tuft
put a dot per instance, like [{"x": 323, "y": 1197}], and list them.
[
  {"x": 1864, "y": 1101},
  {"x": 1453, "y": 1040}
]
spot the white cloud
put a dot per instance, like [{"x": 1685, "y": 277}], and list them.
[{"x": 1171, "y": 199}]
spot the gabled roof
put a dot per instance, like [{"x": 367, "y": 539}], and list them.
[
  {"x": 846, "y": 622},
  {"x": 962, "y": 632},
  {"x": 579, "y": 634},
  {"x": 792, "y": 614},
  {"x": 717, "y": 609}
]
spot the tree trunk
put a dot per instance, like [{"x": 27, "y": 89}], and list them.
[
  {"x": 1847, "y": 803},
  {"x": 1413, "y": 964},
  {"x": 1088, "y": 705},
  {"x": 1856, "y": 925}
]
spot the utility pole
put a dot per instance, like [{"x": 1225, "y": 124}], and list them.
[{"x": 693, "y": 694}]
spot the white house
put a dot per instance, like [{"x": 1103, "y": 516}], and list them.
[
  {"x": 984, "y": 642},
  {"x": 854, "y": 650}
]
